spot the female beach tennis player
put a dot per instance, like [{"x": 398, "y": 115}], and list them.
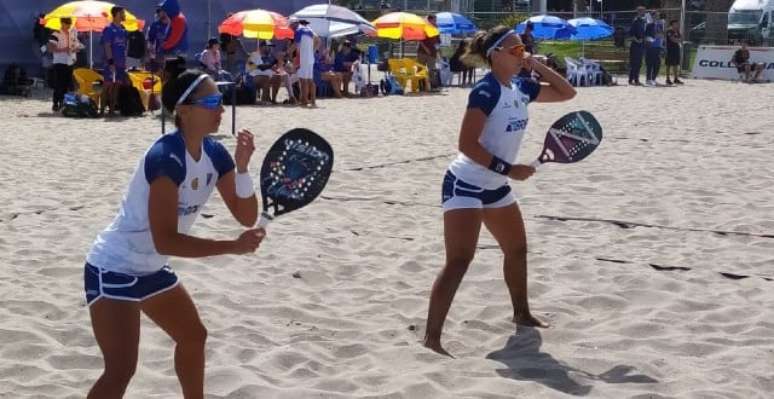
[
  {"x": 475, "y": 187},
  {"x": 126, "y": 270}
]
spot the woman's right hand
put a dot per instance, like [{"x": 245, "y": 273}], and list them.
[
  {"x": 521, "y": 172},
  {"x": 249, "y": 241}
]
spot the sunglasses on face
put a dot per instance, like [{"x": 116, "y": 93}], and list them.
[
  {"x": 515, "y": 50},
  {"x": 211, "y": 102}
]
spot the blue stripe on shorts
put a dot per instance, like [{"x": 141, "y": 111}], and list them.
[{"x": 102, "y": 283}]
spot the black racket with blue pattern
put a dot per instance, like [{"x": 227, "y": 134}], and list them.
[
  {"x": 571, "y": 139},
  {"x": 294, "y": 173}
]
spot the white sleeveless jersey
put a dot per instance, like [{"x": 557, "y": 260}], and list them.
[
  {"x": 126, "y": 246},
  {"x": 507, "y": 117}
]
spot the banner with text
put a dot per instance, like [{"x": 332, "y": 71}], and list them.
[{"x": 714, "y": 62}]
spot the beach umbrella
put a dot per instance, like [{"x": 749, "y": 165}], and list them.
[
  {"x": 589, "y": 29},
  {"x": 404, "y": 26},
  {"x": 332, "y": 21},
  {"x": 454, "y": 24},
  {"x": 89, "y": 16},
  {"x": 257, "y": 24},
  {"x": 547, "y": 27}
]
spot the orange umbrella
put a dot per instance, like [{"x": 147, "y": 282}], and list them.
[
  {"x": 404, "y": 26},
  {"x": 257, "y": 24}
]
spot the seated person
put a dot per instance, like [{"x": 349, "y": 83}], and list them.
[
  {"x": 342, "y": 63},
  {"x": 743, "y": 65},
  {"x": 259, "y": 66},
  {"x": 323, "y": 64},
  {"x": 210, "y": 58}
]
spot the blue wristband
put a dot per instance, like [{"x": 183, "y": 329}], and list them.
[{"x": 499, "y": 166}]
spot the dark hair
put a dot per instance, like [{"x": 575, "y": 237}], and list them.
[
  {"x": 66, "y": 20},
  {"x": 481, "y": 42},
  {"x": 175, "y": 87},
  {"x": 213, "y": 41},
  {"x": 115, "y": 10},
  {"x": 530, "y": 25},
  {"x": 674, "y": 21}
]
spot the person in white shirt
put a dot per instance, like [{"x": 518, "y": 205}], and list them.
[
  {"x": 64, "y": 46},
  {"x": 475, "y": 189},
  {"x": 260, "y": 66},
  {"x": 210, "y": 58},
  {"x": 306, "y": 41},
  {"x": 127, "y": 271}
]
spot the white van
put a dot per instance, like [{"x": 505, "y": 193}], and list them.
[{"x": 751, "y": 20}]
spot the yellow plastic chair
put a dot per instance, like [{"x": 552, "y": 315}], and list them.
[
  {"x": 86, "y": 79},
  {"x": 408, "y": 70},
  {"x": 146, "y": 83},
  {"x": 419, "y": 73}
]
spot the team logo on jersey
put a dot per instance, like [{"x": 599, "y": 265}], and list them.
[
  {"x": 516, "y": 125},
  {"x": 209, "y": 179},
  {"x": 195, "y": 183}
]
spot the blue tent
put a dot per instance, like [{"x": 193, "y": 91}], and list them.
[{"x": 17, "y": 18}]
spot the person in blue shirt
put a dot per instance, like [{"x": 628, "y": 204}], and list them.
[
  {"x": 115, "y": 46},
  {"x": 127, "y": 270},
  {"x": 476, "y": 186},
  {"x": 155, "y": 38},
  {"x": 637, "y": 47},
  {"x": 342, "y": 64},
  {"x": 654, "y": 47}
]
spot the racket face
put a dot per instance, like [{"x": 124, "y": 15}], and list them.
[
  {"x": 295, "y": 171},
  {"x": 572, "y": 138}
]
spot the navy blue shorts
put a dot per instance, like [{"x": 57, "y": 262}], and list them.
[
  {"x": 100, "y": 283},
  {"x": 457, "y": 194}
]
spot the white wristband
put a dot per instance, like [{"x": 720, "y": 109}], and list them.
[{"x": 244, "y": 185}]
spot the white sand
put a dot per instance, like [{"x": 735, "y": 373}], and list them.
[{"x": 697, "y": 157}]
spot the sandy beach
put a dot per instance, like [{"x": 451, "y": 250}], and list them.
[{"x": 627, "y": 252}]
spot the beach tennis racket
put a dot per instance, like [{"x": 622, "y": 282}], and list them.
[
  {"x": 294, "y": 173},
  {"x": 570, "y": 139}
]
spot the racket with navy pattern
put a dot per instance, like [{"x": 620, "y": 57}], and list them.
[
  {"x": 294, "y": 173},
  {"x": 571, "y": 139}
]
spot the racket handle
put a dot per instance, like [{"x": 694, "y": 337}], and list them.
[
  {"x": 264, "y": 220},
  {"x": 535, "y": 164}
]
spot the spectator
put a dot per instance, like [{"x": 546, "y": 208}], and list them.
[
  {"x": 427, "y": 52},
  {"x": 234, "y": 51},
  {"x": 63, "y": 45},
  {"x": 342, "y": 64},
  {"x": 114, "y": 42},
  {"x": 743, "y": 65},
  {"x": 155, "y": 38},
  {"x": 259, "y": 66},
  {"x": 210, "y": 58},
  {"x": 654, "y": 39},
  {"x": 673, "y": 42},
  {"x": 457, "y": 66},
  {"x": 637, "y": 47},
  {"x": 306, "y": 41},
  {"x": 327, "y": 72},
  {"x": 528, "y": 38},
  {"x": 175, "y": 39}
]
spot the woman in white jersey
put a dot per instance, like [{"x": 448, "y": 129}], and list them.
[
  {"x": 126, "y": 270},
  {"x": 475, "y": 188}
]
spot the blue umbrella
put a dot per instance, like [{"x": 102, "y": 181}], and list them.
[
  {"x": 547, "y": 27},
  {"x": 454, "y": 24},
  {"x": 589, "y": 29}
]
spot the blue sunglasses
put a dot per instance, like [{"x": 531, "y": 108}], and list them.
[{"x": 211, "y": 102}]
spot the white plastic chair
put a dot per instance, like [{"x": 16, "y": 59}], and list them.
[
  {"x": 574, "y": 72},
  {"x": 592, "y": 72}
]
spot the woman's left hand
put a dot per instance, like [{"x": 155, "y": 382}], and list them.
[{"x": 244, "y": 150}]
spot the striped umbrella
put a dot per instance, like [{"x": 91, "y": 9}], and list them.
[
  {"x": 404, "y": 26},
  {"x": 257, "y": 24},
  {"x": 328, "y": 20},
  {"x": 89, "y": 16}
]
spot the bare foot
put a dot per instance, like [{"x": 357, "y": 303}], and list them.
[
  {"x": 529, "y": 320},
  {"x": 436, "y": 347}
]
